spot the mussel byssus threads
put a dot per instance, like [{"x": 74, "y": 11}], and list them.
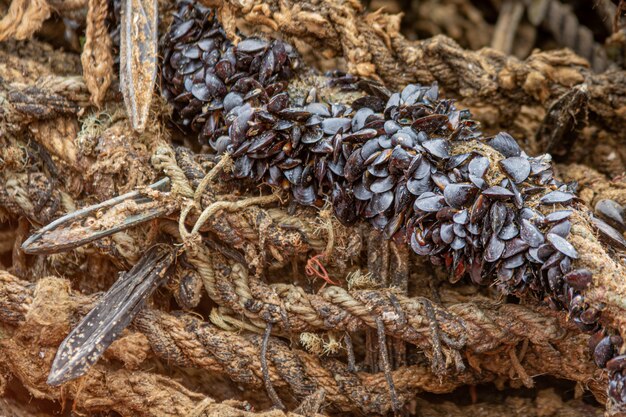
[{"x": 410, "y": 163}]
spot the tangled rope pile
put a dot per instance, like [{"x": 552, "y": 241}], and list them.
[
  {"x": 185, "y": 341},
  {"x": 354, "y": 314},
  {"x": 371, "y": 326},
  {"x": 374, "y": 47}
]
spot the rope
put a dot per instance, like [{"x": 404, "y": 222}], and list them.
[
  {"x": 165, "y": 160},
  {"x": 236, "y": 291},
  {"x": 224, "y": 164},
  {"x": 374, "y": 47},
  {"x": 184, "y": 340},
  {"x": 97, "y": 58},
  {"x": 335, "y": 308},
  {"x": 23, "y": 19}
]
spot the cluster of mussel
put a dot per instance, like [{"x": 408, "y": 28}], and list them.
[
  {"x": 412, "y": 164},
  {"x": 205, "y": 76}
]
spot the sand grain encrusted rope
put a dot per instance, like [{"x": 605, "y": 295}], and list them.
[
  {"x": 28, "y": 352},
  {"x": 108, "y": 388},
  {"x": 464, "y": 325},
  {"x": 183, "y": 340}
]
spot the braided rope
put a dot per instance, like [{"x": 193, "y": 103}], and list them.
[
  {"x": 465, "y": 325},
  {"x": 184, "y": 340},
  {"x": 231, "y": 286}
]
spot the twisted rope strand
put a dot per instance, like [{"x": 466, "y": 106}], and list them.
[{"x": 184, "y": 340}]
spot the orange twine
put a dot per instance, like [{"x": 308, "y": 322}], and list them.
[{"x": 315, "y": 268}]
